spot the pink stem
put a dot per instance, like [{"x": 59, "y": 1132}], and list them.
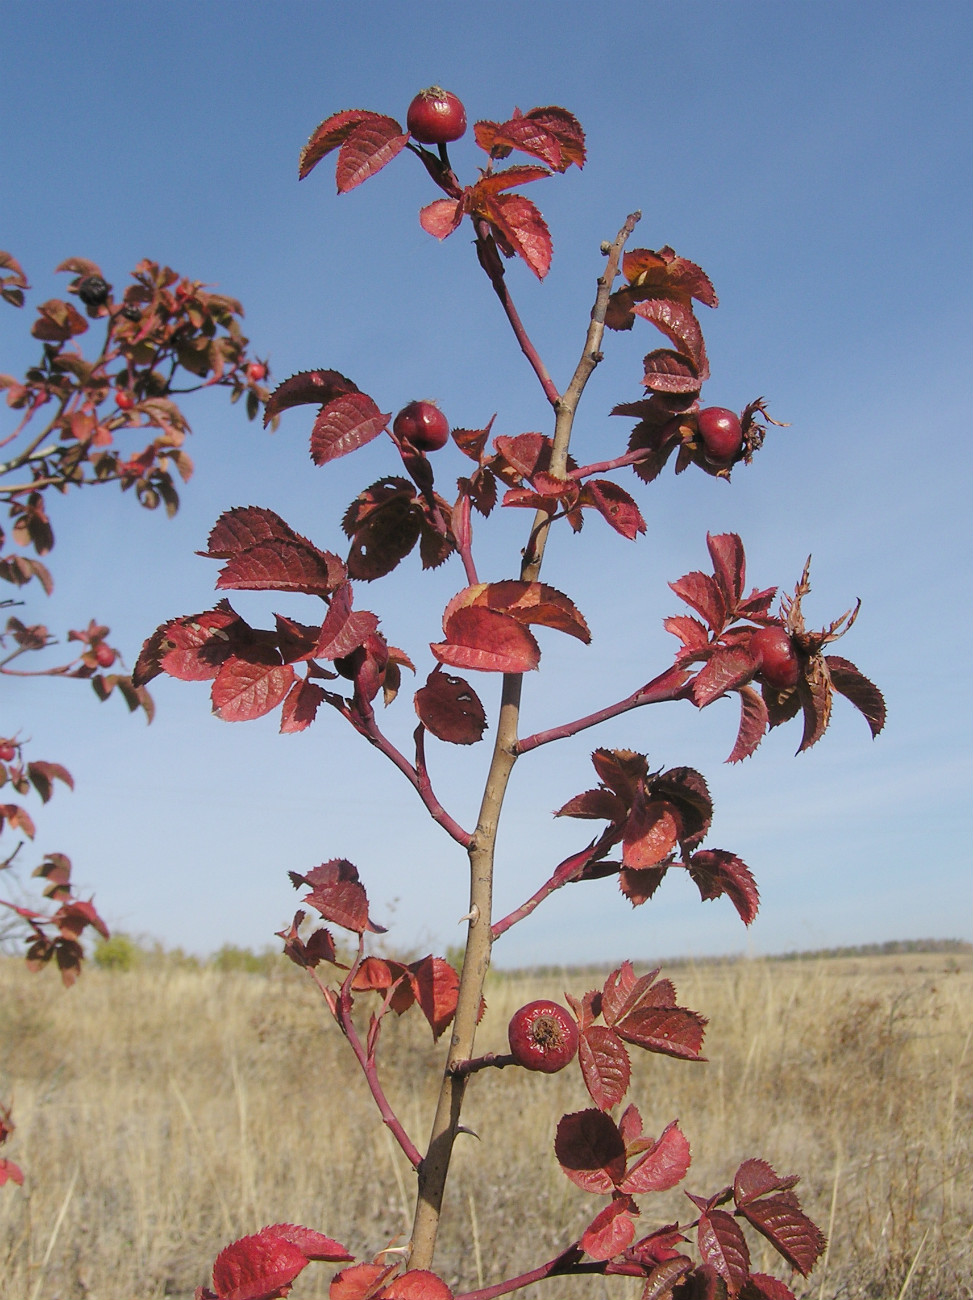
[
  {"x": 619, "y": 462},
  {"x": 566, "y": 1264},
  {"x": 669, "y": 685},
  {"x": 489, "y": 258}
]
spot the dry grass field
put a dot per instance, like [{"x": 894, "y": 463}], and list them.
[{"x": 162, "y": 1112}]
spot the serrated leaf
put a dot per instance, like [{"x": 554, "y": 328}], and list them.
[
  {"x": 761, "y": 1286},
  {"x": 590, "y": 1150},
  {"x": 716, "y": 872},
  {"x": 679, "y": 324},
  {"x": 245, "y": 689},
  {"x": 703, "y": 593},
  {"x": 660, "y": 1282},
  {"x": 239, "y": 529},
  {"x": 506, "y": 179},
  {"x": 663, "y": 1165},
  {"x": 729, "y": 565},
  {"x": 611, "y": 1231},
  {"x": 621, "y": 770},
  {"x": 450, "y": 709},
  {"x": 664, "y": 271},
  {"x": 781, "y": 1220},
  {"x": 667, "y": 371},
  {"x": 552, "y": 134},
  {"x": 855, "y": 686},
  {"x": 359, "y": 1282},
  {"x": 728, "y": 668},
  {"x": 300, "y": 707},
  {"x": 523, "y": 228},
  {"x": 441, "y": 217},
  {"x": 756, "y": 1178},
  {"x": 332, "y": 132},
  {"x": 723, "y": 1246},
  {"x": 639, "y": 886},
  {"x": 815, "y": 694},
  {"x": 436, "y": 987},
  {"x": 650, "y": 834},
  {"x": 192, "y": 649},
  {"x": 257, "y": 1267},
  {"x": 605, "y": 1066},
  {"x": 345, "y": 424},
  {"x": 343, "y": 630},
  {"x": 754, "y": 721},
  {"x": 308, "y": 388},
  {"x": 528, "y": 602},
  {"x": 488, "y": 641},
  {"x": 312, "y": 1244},
  {"x": 615, "y": 505},
  {"x": 282, "y": 566},
  {"x": 594, "y": 805},
  {"x": 368, "y": 147},
  {"x": 43, "y": 775},
  {"x": 417, "y": 1284},
  {"x": 339, "y": 896}
]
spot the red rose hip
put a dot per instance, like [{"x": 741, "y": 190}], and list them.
[
  {"x": 104, "y": 654},
  {"x": 436, "y": 116},
  {"x": 773, "y": 650},
  {"x": 543, "y": 1036},
  {"x": 423, "y": 425},
  {"x": 720, "y": 432}
]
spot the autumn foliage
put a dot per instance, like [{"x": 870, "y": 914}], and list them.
[{"x": 320, "y": 648}]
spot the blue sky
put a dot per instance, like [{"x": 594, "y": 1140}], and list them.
[{"x": 814, "y": 159}]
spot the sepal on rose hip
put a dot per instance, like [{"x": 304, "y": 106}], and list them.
[{"x": 543, "y": 1036}]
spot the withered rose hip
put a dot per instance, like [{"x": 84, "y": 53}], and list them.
[{"x": 543, "y": 1036}]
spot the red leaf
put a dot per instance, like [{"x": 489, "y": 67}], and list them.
[
  {"x": 663, "y": 1166},
  {"x": 334, "y": 131},
  {"x": 239, "y": 529},
  {"x": 244, "y": 689},
  {"x": 605, "y": 1066},
  {"x": 551, "y": 134},
  {"x": 723, "y": 1246},
  {"x": 359, "y": 1282},
  {"x": 417, "y": 1284},
  {"x": 729, "y": 565},
  {"x": 441, "y": 217},
  {"x": 716, "y": 872},
  {"x": 450, "y": 708},
  {"x": 594, "y": 805},
  {"x": 753, "y": 724},
  {"x": 703, "y": 593},
  {"x": 642, "y": 1012},
  {"x": 506, "y": 179},
  {"x": 282, "y": 566},
  {"x": 639, "y": 886},
  {"x": 590, "y": 1150},
  {"x": 650, "y": 835},
  {"x": 15, "y": 816},
  {"x": 670, "y": 372},
  {"x": 368, "y": 147},
  {"x": 338, "y": 895},
  {"x": 854, "y": 686},
  {"x": 57, "y": 321},
  {"x": 257, "y": 1268},
  {"x": 728, "y": 668},
  {"x": 345, "y": 424},
  {"x": 760, "y": 1286},
  {"x": 487, "y": 640},
  {"x": 342, "y": 630},
  {"x": 664, "y": 1277},
  {"x": 526, "y": 454},
  {"x": 436, "y": 987},
  {"x": 621, "y": 770},
  {"x": 679, "y": 324},
  {"x": 300, "y": 707},
  {"x": 523, "y": 228},
  {"x": 666, "y": 273},
  {"x": 42, "y": 776},
  {"x": 527, "y": 602},
  {"x": 756, "y": 1178},
  {"x": 313, "y": 1245},
  {"x": 9, "y": 1172},
  {"x": 788, "y": 1229},
  {"x": 615, "y": 505},
  {"x": 191, "y": 649},
  {"x": 308, "y": 388},
  {"x": 611, "y": 1231}
]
